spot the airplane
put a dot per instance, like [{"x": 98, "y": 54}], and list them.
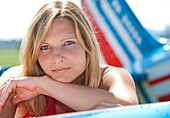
[
  {"x": 150, "y": 110},
  {"x": 125, "y": 43},
  {"x": 3, "y": 68}
]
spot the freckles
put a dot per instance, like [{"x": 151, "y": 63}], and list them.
[
  {"x": 44, "y": 55},
  {"x": 43, "y": 58},
  {"x": 76, "y": 50}
]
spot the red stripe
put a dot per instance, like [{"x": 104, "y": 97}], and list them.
[
  {"x": 109, "y": 55},
  {"x": 164, "y": 98},
  {"x": 156, "y": 81}
]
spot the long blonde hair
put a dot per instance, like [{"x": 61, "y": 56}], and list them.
[{"x": 36, "y": 34}]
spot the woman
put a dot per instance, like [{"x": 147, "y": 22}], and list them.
[{"x": 60, "y": 70}]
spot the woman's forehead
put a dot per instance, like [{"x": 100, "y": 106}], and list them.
[{"x": 61, "y": 29}]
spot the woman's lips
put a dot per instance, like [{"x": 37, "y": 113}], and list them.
[{"x": 60, "y": 70}]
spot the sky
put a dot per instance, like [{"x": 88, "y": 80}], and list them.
[
  {"x": 153, "y": 14},
  {"x": 16, "y": 15}
]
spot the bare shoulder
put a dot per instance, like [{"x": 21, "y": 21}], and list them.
[
  {"x": 119, "y": 82},
  {"x": 10, "y": 73},
  {"x": 113, "y": 76}
]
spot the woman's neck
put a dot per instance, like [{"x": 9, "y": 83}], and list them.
[{"x": 79, "y": 80}]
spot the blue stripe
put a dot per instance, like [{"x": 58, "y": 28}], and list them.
[
  {"x": 3, "y": 69},
  {"x": 159, "y": 55},
  {"x": 98, "y": 5},
  {"x": 124, "y": 11},
  {"x": 148, "y": 41}
]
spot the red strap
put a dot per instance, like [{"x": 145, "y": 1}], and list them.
[{"x": 51, "y": 110}]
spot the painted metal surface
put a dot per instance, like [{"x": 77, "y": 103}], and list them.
[{"x": 152, "y": 110}]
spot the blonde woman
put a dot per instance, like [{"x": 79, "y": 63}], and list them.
[{"x": 60, "y": 70}]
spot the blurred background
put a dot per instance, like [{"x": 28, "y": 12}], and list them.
[{"x": 16, "y": 16}]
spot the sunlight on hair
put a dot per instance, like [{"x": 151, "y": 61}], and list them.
[{"x": 64, "y": 2}]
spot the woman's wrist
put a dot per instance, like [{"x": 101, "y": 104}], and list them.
[{"x": 43, "y": 85}]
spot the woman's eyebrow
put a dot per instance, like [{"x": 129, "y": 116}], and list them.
[
  {"x": 68, "y": 38},
  {"x": 45, "y": 43}
]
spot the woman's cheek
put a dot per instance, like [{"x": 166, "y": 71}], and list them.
[{"x": 43, "y": 58}]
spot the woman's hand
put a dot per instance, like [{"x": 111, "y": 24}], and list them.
[{"x": 24, "y": 87}]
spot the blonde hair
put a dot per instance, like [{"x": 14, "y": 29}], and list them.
[{"x": 36, "y": 34}]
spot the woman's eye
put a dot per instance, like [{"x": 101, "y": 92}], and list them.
[
  {"x": 69, "y": 43},
  {"x": 45, "y": 47}
]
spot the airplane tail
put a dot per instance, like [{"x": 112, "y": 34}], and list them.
[
  {"x": 121, "y": 32},
  {"x": 124, "y": 42}
]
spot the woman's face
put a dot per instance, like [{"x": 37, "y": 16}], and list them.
[{"x": 61, "y": 56}]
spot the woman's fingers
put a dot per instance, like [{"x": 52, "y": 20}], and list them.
[
  {"x": 16, "y": 100},
  {"x": 22, "y": 95},
  {"x": 24, "y": 87},
  {"x": 1, "y": 108},
  {"x": 6, "y": 91},
  {"x": 3, "y": 90},
  {"x": 28, "y": 83}
]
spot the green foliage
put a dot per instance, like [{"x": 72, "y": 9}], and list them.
[{"x": 9, "y": 57}]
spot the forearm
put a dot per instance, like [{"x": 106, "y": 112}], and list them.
[
  {"x": 77, "y": 97},
  {"x": 9, "y": 109},
  {"x": 103, "y": 105}
]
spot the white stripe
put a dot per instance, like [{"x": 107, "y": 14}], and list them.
[
  {"x": 101, "y": 58},
  {"x": 158, "y": 71},
  {"x": 138, "y": 67},
  {"x": 158, "y": 90},
  {"x": 161, "y": 89},
  {"x": 109, "y": 35},
  {"x": 121, "y": 30}
]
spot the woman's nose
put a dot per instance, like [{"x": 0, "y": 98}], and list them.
[{"x": 57, "y": 55}]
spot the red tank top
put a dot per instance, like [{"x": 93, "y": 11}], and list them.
[{"x": 60, "y": 108}]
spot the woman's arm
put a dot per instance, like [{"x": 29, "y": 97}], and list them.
[
  {"x": 77, "y": 97},
  {"x": 9, "y": 109},
  {"x": 121, "y": 92}
]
